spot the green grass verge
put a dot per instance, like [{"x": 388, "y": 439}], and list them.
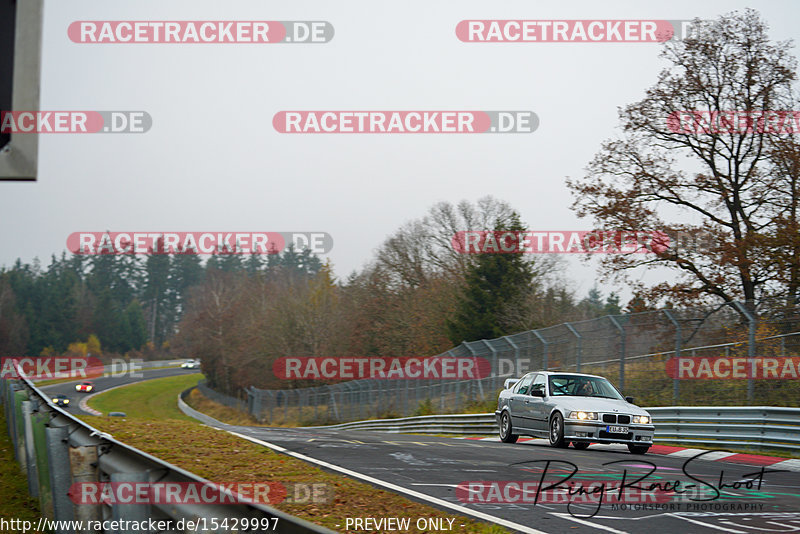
[
  {"x": 15, "y": 503},
  {"x": 156, "y": 426},
  {"x": 150, "y": 399}
]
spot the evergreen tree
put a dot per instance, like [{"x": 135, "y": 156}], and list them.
[{"x": 492, "y": 280}]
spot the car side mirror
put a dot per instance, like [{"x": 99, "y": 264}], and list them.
[
  {"x": 537, "y": 393},
  {"x": 629, "y": 400}
]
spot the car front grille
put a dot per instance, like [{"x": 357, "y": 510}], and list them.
[{"x": 613, "y": 418}]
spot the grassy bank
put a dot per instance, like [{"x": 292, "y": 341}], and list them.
[{"x": 155, "y": 425}]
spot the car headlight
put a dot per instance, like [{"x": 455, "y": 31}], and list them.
[
  {"x": 66, "y": 401},
  {"x": 55, "y": 400},
  {"x": 583, "y": 415},
  {"x": 642, "y": 419}
]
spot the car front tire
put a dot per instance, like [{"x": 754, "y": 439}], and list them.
[
  {"x": 506, "y": 435},
  {"x": 638, "y": 449},
  {"x": 557, "y": 431}
]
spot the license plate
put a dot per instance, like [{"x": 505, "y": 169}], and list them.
[{"x": 617, "y": 429}]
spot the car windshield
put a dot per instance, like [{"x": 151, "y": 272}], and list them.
[{"x": 583, "y": 386}]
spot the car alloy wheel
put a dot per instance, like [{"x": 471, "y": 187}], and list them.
[
  {"x": 505, "y": 429},
  {"x": 557, "y": 431}
]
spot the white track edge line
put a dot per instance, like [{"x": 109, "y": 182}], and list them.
[{"x": 393, "y": 487}]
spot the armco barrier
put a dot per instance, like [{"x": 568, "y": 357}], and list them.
[
  {"x": 56, "y": 450},
  {"x": 757, "y": 427}
]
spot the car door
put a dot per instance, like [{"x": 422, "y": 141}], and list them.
[
  {"x": 535, "y": 405},
  {"x": 516, "y": 402}
]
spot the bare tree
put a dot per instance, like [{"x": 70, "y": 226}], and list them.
[
  {"x": 711, "y": 181},
  {"x": 424, "y": 246}
]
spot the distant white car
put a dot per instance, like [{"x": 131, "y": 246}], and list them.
[{"x": 191, "y": 364}]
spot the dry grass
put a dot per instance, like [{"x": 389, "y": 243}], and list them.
[{"x": 222, "y": 457}]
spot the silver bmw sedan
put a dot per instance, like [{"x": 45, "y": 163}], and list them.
[{"x": 571, "y": 408}]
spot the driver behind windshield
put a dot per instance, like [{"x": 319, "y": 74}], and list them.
[{"x": 585, "y": 390}]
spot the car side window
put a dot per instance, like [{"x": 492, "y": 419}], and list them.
[
  {"x": 524, "y": 385},
  {"x": 539, "y": 383}
]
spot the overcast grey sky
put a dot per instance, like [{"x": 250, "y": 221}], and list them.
[{"x": 212, "y": 160}]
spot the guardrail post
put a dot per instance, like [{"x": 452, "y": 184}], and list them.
[
  {"x": 579, "y": 350},
  {"x": 83, "y": 467},
  {"x": 30, "y": 450},
  {"x": 676, "y": 392},
  {"x": 39, "y": 421},
  {"x": 621, "y": 352},
  {"x": 60, "y": 480},
  {"x": 751, "y": 346},
  {"x": 135, "y": 511},
  {"x": 19, "y": 396},
  {"x": 545, "y": 364}
]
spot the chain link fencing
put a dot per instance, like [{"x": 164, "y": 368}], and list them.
[{"x": 637, "y": 352}]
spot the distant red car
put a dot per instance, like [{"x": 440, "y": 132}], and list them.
[{"x": 84, "y": 387}]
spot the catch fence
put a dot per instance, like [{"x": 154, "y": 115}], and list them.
[{"x": 638, "y": 352}]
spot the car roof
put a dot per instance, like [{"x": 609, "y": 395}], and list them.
[{"x": 563, "y": 373}]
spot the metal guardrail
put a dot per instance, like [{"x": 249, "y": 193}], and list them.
[
  {"x": 758, "y": 427},
  {"x": 56, "y": 449}
]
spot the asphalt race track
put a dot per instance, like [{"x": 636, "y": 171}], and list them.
[
  {"x": 435, "y": 466},
  {"x": 430, "y": 469},
  {"x": 107, "y": 382}
]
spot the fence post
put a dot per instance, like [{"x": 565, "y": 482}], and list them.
[
  {"x": 480, "y": 384},
  {"x": 544, "y": 349},
  {"x": 580, "y": 347},
  {"x": 621, "y": 352},
  {"x": 516, "y": 354},
  {"x": 751, "y": 346},
  {"x": 676, "y": 392},
  {"x": 496, "y": 360}
]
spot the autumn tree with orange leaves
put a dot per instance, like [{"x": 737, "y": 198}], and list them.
[{"x": 735, "y": 187}]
